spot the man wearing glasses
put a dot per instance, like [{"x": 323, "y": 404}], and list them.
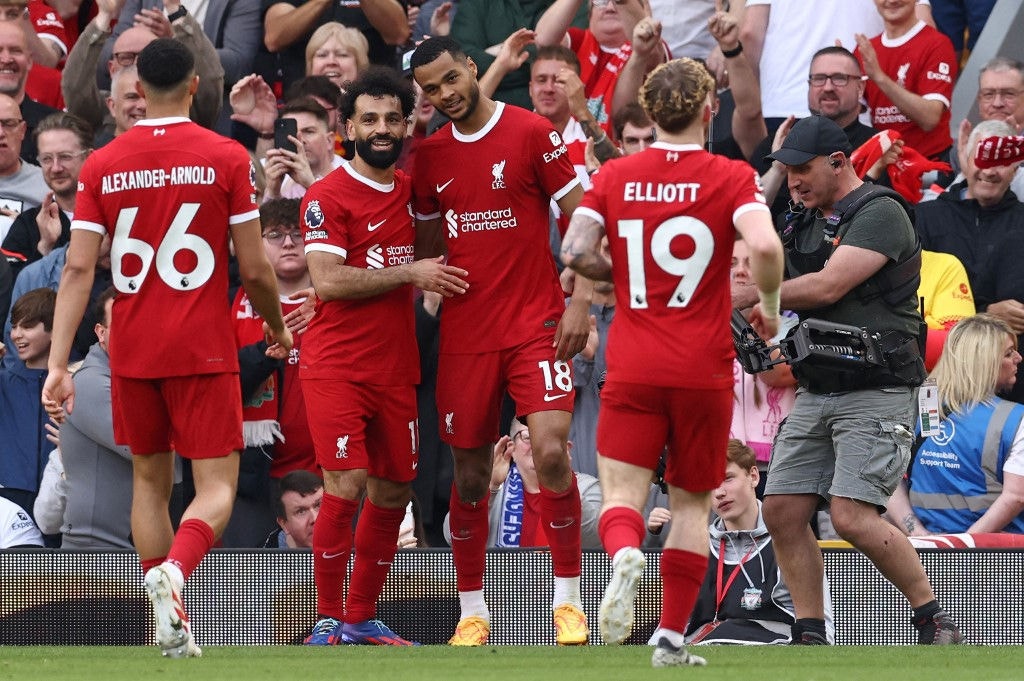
[
  {"x": 82, "y": 94},
  {"x": 21, "y": 183},
  {"x": 835, "y": 87}
]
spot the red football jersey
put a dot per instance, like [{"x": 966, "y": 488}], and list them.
[
  {"x": 167, "y": 192},
  {"x": 923, "y": 62},
  {"x": 49, "y": 25},
  {"x": 368, "y": 340},
  {"x": 669, "y": 212},
  {"x": 493, "y": 191}
]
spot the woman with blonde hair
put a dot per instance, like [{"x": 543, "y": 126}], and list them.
[
  {"x": 338, "y": 52},
  {"x": 969, "y": 477}
]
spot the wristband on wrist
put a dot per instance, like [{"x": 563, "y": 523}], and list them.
[
  {"x": 769, "y": 303},
  {"x": 266, "y": 135},
  {"x": 734, "y": 52},
  {"x": 177, "y": 14}
]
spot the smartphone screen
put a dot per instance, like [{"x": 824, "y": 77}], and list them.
[{"x": 282, "y": 128}]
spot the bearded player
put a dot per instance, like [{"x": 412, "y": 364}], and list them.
[
  {"x": 170, "y": 194},
  {"x": 482, "y": 192},
  {"x": 671, "y": 214},
  {"x": 359, "y": 365}
]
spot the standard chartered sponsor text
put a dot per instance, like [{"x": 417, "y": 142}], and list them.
[{"x": 487, "y": 220}]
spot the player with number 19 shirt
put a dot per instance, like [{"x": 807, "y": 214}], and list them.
[
  {"x": 669, "y": 212},
  {"x": 166, "y": 195}
]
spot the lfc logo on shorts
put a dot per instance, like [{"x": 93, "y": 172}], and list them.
[
  {"x": 448, "y": 427},
  {"x": 342, "y": 443}
]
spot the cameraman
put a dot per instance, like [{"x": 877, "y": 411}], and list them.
[{"x": 852, "y": 258}]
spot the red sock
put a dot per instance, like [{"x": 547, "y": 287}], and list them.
[
  {"x": 192, "y": 541},
  {"x": 621, "y": 527},
  {"x": 376, "y": 544},
  {"x": 560, "y": 515},
  {"x": 332, "y": 543},
  {"x": 468, "y": 524},
  {"x": 681, "y": 575},
  {"x": 150, "y": 563}
]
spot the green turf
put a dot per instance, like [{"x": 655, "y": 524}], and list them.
[{"x": 439, "y": 663}]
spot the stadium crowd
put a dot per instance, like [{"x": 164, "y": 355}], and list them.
[{"x": 290, "y": 80}]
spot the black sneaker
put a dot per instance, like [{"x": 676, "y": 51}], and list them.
[
  {"x": 809, "y": 638},
  {"x": 937, "y": 630}
]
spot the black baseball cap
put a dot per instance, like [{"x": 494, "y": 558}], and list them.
[{"x": 810, "y": 137}]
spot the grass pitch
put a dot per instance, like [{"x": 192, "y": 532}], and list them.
[{"x": 440, "y": 663}]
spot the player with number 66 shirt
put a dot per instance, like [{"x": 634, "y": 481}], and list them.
[{"x": 169, "y": 195}]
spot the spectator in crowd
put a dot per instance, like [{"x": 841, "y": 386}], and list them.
[
  {"x": 327, "y": 94},
  {"x": 668, "y": 407},
  {"x": 634, "y": 130},
  {"x": 760, "y": 401},
  {"x": 226, "y": 32},
  {"x": 124, "y": 103},
  {"x": 79, "y": 80},
  {"x": 911, "y": 69},
  {"x": 17, "y": 63},
  {"x": 767, "y": 35},
  {"x": 290, "y": 173},
  {"x": 434, "y": 19},
  {"x": 17, "y": 531},
  {"x": 527, "y": 351},
  {"x": 743, "y": 598},
  {"x": 968, "y": 475},
  {"x": 514, "y": 506},
  {"x": 859, "y": 282},
  {"x": 22, "y": 421},
  {"x": 288, "y": 24},
  {"x": 961, "y": 21},
  {"x": 1000, "y": 98},
  {"x": 977, "y": 220},
  {"x": 482, "y": 26},
  {"x": 47, "y": 41},
  {"x": 296, "y": 505},
  {"x": 21, "y": 183},
  {"x": 604, "y": 48},
  {"x": 64, "y": 140},
  {"x": 338, "y": 52},
  {"x": 946, "y": 298},
  {"x": 274, "y": 426},
  {"x": 835, "y": 87},
  {"x": 97, "y": 470}
]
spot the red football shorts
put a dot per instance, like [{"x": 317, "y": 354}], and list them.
[
  {"x": 198, "y": 416},
  {"x": 356, "y": 426},
  {"x": 637, "y": 422},
  {"x": 470, "y": 388}
]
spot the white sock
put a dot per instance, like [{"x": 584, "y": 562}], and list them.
[
  {"x": 676, "y": 638},
  {"x": 472, "y": 604},
  {"x": 567, "y": 591}
]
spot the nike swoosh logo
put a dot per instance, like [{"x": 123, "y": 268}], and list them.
[
  {"x": 442, "y": 187},
  {"x": 552, "y": 398},
  {"x": 561, "y": 526},
  {"x": 329, "y": 556},
  {"x": 456, "y": 538},
  {"x": 372, "y": 227}
]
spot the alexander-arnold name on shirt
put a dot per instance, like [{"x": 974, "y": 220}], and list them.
[{"x": 151, "y": 178}]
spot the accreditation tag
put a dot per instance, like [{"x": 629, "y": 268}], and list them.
[{"x": 928, "y": 408}]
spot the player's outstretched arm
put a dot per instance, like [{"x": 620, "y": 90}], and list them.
[
  {"x": 72, "y": 298},
  {"x": 260, "y": 284},
  {"x": 334, "y": 280}
]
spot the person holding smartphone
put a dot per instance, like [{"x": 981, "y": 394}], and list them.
[{"x": 303, "y": 150}]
